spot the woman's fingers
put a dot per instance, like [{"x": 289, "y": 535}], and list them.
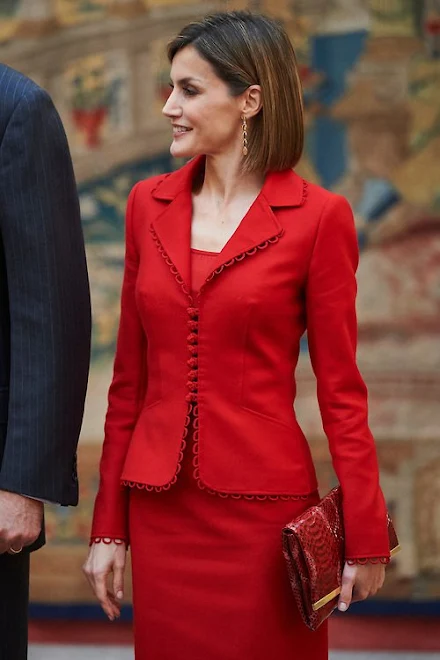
[
  {"x": 102, "y": 593},
  {"x": 118, "y": 581},
  {"x": 364, "y": 579},
  {"x": 346, "y": 596},
  {"x": 103, "y": 560},
  {"x": 115, "y": 605}
]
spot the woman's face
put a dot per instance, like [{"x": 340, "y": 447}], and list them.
[{"x": 205, "y": 118}]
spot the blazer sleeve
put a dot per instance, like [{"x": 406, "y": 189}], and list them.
[
  {"x": 342, "y": 395},
  {"x": 124, "y": 401},
  {"x": 49, "y": 303}
]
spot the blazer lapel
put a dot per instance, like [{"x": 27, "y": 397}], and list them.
[
  {"x": 260, "y": 226},
  {"x": 173, "y": 230},
  {"x": 172, "y": 227}
]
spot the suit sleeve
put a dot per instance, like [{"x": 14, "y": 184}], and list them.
[
  {"x": 49, "y": 303},
  {"x": 124, "y": 400},
  {"x": 342, "y": 395}
]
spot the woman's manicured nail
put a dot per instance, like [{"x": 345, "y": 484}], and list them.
[
  {"x": 120, "y": 595},
  {"x": 342, "y": 607}
]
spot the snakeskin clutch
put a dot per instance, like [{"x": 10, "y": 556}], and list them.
[{"x": 313, "y": 546}]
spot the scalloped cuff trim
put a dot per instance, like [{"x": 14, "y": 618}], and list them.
[
  {"x": 107, "y": 540},
  {"x": 362, "y": 561}
]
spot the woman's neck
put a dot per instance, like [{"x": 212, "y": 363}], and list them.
[{"x": 224, "y": 180}]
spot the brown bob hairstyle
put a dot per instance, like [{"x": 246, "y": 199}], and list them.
[{"x": 249, "y": 49}]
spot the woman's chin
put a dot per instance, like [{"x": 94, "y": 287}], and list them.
[{"x": 180, "y": 151}]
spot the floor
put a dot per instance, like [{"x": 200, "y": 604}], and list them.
[
  {"x": 53, "y": 652},
  {"x": 351, "y": 638},
  {"x": 346, "y": 633}
]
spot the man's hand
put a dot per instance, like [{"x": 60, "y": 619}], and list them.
[
  {"x": 20, "y": 521},
  {"x": 359, "y": 582}
]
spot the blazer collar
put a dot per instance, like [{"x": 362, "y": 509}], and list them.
[
  {"x": 280, "y": 189},
  {"x": 260, "y": 225}
]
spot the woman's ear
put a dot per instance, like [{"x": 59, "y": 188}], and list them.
[{"x": 252, "y": 101}]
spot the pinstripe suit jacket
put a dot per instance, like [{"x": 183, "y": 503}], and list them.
[{"x": 44, "y": 298}]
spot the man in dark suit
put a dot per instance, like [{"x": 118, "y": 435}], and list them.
[{"x": 44, "y": 336}]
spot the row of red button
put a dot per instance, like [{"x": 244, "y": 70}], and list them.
[{"x": 193, "y": 363}]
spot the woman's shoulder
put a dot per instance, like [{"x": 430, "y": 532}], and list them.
[
  {"x": 324, "y": 197},
  {"x": 325, "y": 210}
]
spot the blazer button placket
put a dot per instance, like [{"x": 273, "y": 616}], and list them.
[{"x": 193, "y": 348}]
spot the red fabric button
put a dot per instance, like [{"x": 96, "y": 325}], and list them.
[
  {"x": 192, "y": 338},
  {"x": 193, "y": 363},
  {"x": 193, "y": 375}
]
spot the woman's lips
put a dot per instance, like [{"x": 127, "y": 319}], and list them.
[{"x": 179, "y": 131}]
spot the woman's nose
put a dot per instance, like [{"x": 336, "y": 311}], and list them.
[{"x": 171, "y": 109}]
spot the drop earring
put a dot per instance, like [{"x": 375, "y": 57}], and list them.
[{"x": 245, "y": 137}]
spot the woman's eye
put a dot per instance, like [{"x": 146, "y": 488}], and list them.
[{"x": 187, "y": 91}]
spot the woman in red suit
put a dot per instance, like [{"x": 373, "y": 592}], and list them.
[{"x": 228, "y": 261}]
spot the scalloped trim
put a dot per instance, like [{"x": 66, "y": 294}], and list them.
[
  {"x": 158, "y": 489},
  {"x": 107, "y": 540},
  {"x": 362, "y": 561},
  {"x": 171, "y": 266},
  {"x": 242, "y": 255},
  {"x": 305, "y": 192}
]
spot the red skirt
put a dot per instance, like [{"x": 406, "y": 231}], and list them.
[{"x": 209, "y": 580}]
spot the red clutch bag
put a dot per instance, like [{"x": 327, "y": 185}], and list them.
[{"x": 313, "y": 546}]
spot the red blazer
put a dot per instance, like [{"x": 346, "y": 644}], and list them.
[{"x": 230, "y": 355}]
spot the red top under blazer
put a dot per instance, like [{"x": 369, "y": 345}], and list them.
[{"x": 229, "y": 355}]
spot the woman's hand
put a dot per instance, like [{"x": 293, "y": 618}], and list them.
[
  {"x": 106, "y": 558},
  {"x": 359, "y": 581}
]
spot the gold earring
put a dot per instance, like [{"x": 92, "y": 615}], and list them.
[{"x": 245, "y": 137}]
